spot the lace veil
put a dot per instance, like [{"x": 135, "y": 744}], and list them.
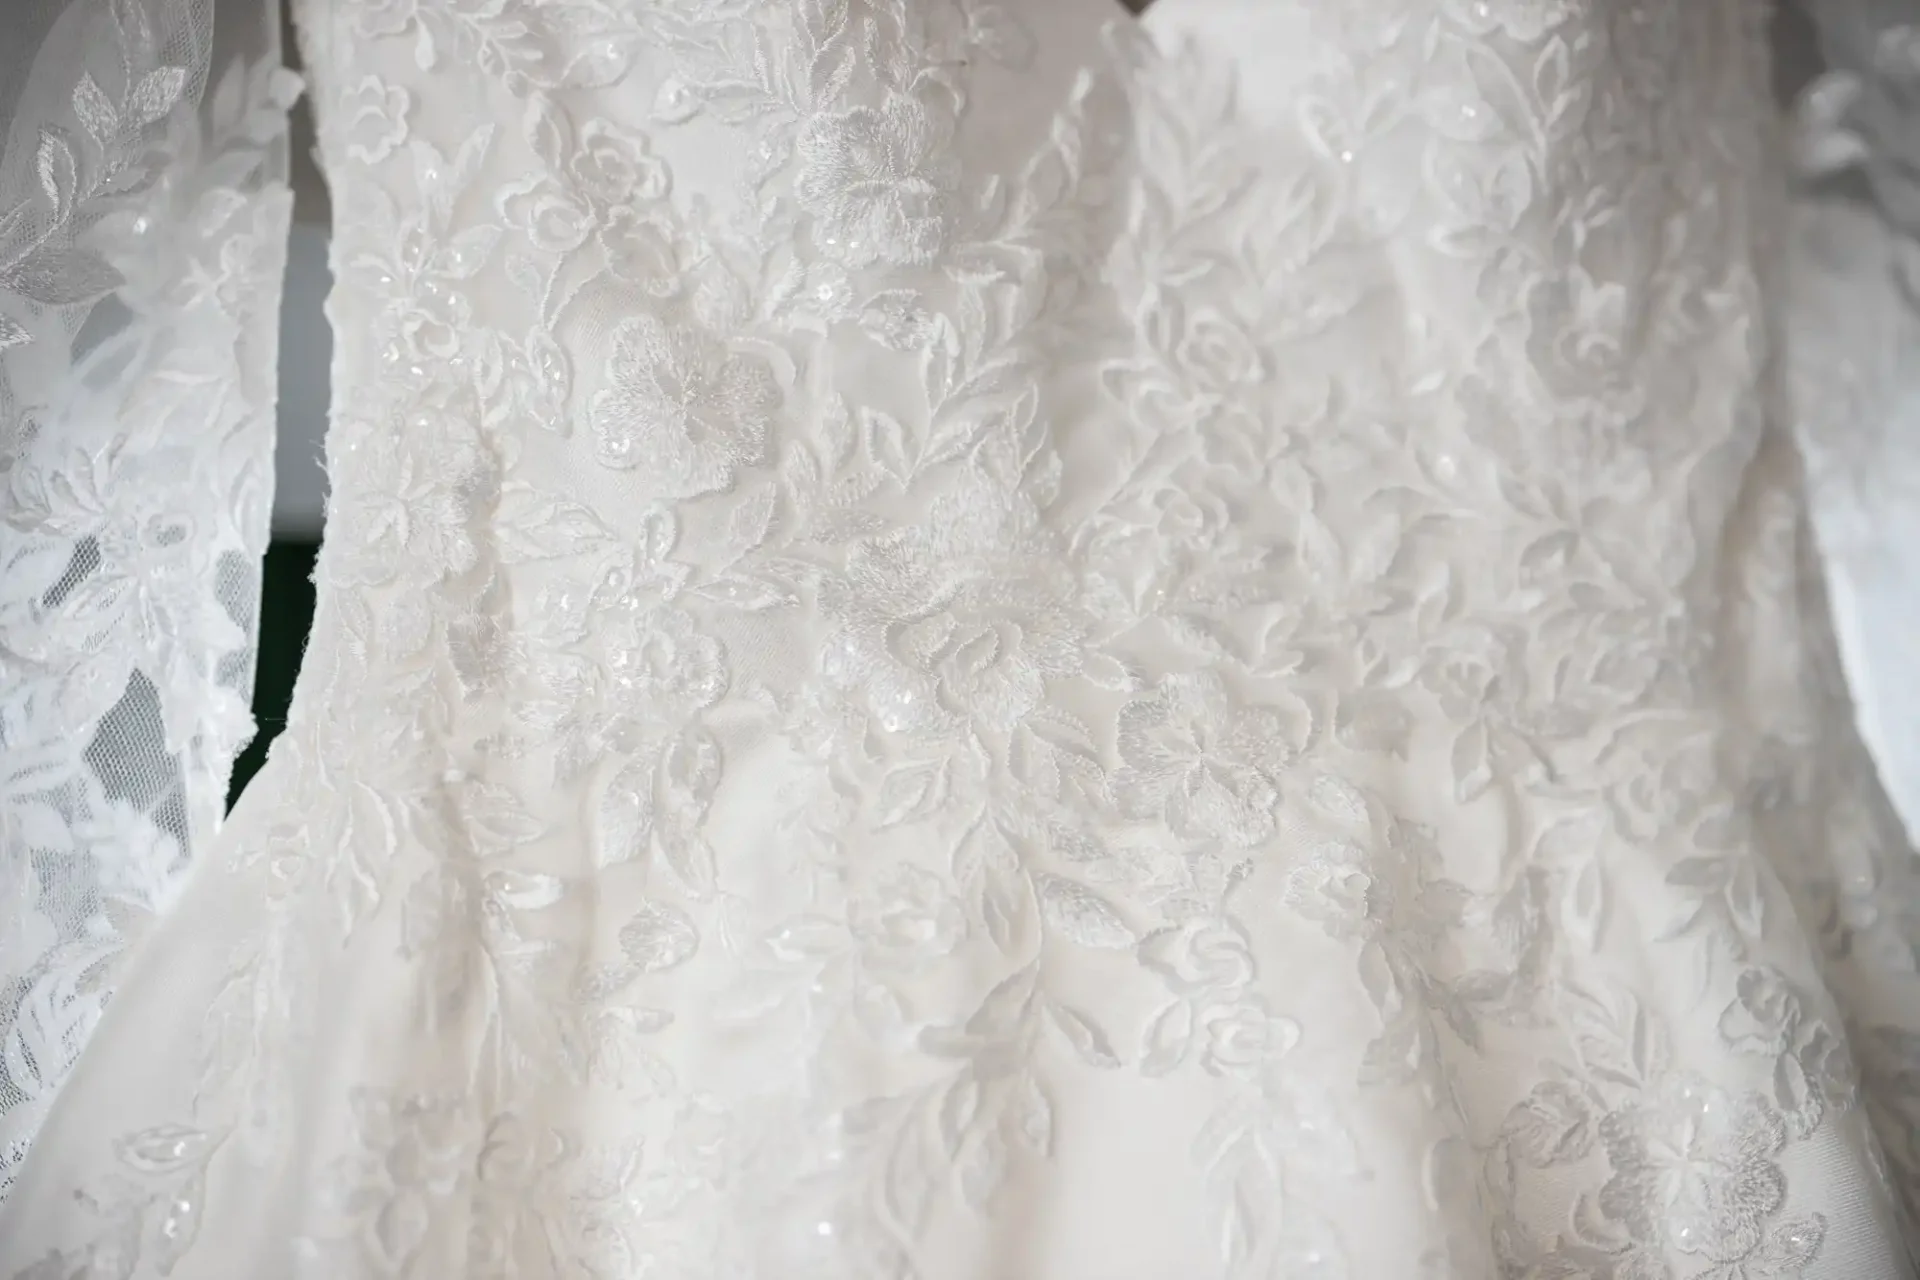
[{"x": 143, "y": 216}]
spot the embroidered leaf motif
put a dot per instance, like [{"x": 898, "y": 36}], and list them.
[
  {"x": 1085, "y": 1035},
  {"x": 156, "y": 94},
  {"x": 56, "y": 277},
  {"x": 659, "y": 937},
  {"x": 163, "y": 1149},
  {"x": 96, "y": 111},
  {"x": 1082, "y": 915}
]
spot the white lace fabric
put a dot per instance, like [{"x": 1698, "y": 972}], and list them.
[
  {"x": 141, "y": 229},
  {"x": 969, "y": 642}
]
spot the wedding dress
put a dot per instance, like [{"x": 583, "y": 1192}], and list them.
[{"x": 975, "y": 641}]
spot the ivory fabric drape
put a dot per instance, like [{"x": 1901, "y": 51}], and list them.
[{"x": 922, "y": 597}]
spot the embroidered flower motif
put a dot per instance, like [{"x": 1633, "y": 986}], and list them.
[
  {"x": 1623, "y": 656},
  {"x": 549, "y": 215},
  {"x": 386, "y": 17},
  {"x": 374, "y": 119},
  {"x": 426, "y": 310},
  {"x": 1472, "y": 672},
  {"x": 426, "y": 326},
  {"x": 683, "y": 406},
  {"x": 524, "y": 382},
  {"x": 641, "y": 251},
  {"x": 413, "y": 1152},
  {"x": 1580, "y": 344},
  {"x": 997, "y": 34},
  {"x": 958, "y": 621},
  {"x": 1668, "y": 780},
  {"x": 1334, "y": 887},
  {"x": 149, "y": 559},
  {"x": 1694, "y": 1171},
  {"x": 661, "y": 665},
  {"x": 612, "y": 167},
  {"x": 879, "y": 182},
  {"x": 407, "y": 512},
  {"x": 515, "y": 1169},
  {"x": 909, "y": 918},
  {"x": 1244, "y": 1037},
  {"x": 1552, "y": 1126},
  {"x": 1217, "y": 354},
  {"x": 1204, "y": 761},
  {"x": 1189, "y": 519},
  {"x": 1199, "y": 956},
  {"x": 987, "y": 655},
  {"x": 1764, "y": 1015},
  {"x": 1826, "y": 1058}
]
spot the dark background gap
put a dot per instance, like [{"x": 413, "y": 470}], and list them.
[{"x": 286, "y": 613}]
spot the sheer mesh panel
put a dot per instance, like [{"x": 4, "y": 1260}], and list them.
[{"x": 142, "y": 225}]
